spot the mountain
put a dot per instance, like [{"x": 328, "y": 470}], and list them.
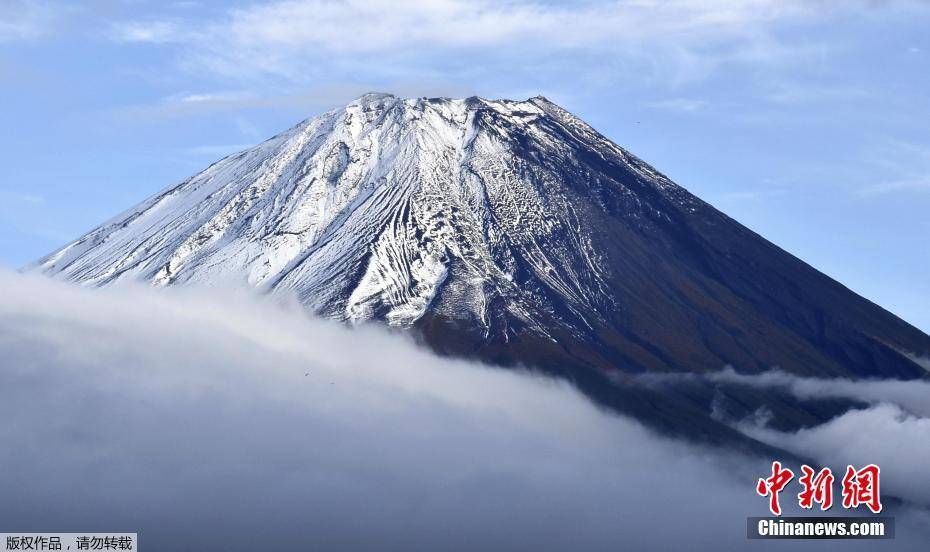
[{"x": 508, "y": 231}]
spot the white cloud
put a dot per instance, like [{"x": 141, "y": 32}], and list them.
[
  {"x": 24, "y": 19},
  {"x": 192, "y": 417},
  {"x": 20, "y": 197},
  {"x": 678, "y": 104},
  {"x": 891, "y": 186},
  {"x": 788, "y": 92},
  {"x": 893, "y": 432},
  {"x": 220, "y": 96},
  {"x": 911, "y": 395},
  {"x": 920, "y": 360},
  {"x": 308, "y": 99},
  {"x": 291, "y": 37},
  {"x": 906, "y": 164},
  {"x": 216, "y": 150},
  {"x": 248, "y": 129},
  {"x": 156, "y": 32},
  {"x": 885, "y": 435},
  {"x": 748, "y": 195},
  {"x": 220, "y": 422}
]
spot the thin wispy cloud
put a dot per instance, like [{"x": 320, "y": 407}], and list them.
[
  {"x": 920, "y": 360},
  {"x": 686, "y": 105},
  {"x": 911, "y": 395},
  {"x": 248, "y": 129},
  {"x": 790, "y": 92},
  {"x": 309, "y": 100},
  {"x": 155, "y": 32},
  {"x": 748, "y": 195},
  {"x": 906, "y": 163},
  {"x": 286, "y": 38},
  {"x": 215, "y": 151},
  {"x": 892, "y": 186},
  {"x": 330, "y": 24},
  {"x": 25, "y": 19},
  {"x": 21, "y": 197},
  {"x": 209, "y": 97}
]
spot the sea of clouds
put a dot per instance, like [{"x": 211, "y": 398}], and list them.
[{"x": 211, "y": 421}]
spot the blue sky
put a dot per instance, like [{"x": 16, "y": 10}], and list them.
[{"x": 806, "y": 121}]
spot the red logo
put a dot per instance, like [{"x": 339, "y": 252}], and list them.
[
  {"x": 859, "y": 487},
  {"x": 817, "y": 488},
  {"x": 773, "y": 485}
]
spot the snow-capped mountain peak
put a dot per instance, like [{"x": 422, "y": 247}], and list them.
[
  {"x": 368, "y": 212},
  {"x": 507, "y": 229}
]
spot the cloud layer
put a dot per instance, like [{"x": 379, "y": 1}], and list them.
[
  {"x": 893, "y": 432},
  {"x": 913, "y": 396},
  {"x": 216, "y": 422},
  {"x": 189, "y": 417},
  {"x": 885, "y": 435}
]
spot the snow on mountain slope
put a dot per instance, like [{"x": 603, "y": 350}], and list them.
[
  {"x": 363, "y": 212},
  {"x": 506, "y": 229}
]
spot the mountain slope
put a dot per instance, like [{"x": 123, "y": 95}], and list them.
[{"x": 508, "y": 231}]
